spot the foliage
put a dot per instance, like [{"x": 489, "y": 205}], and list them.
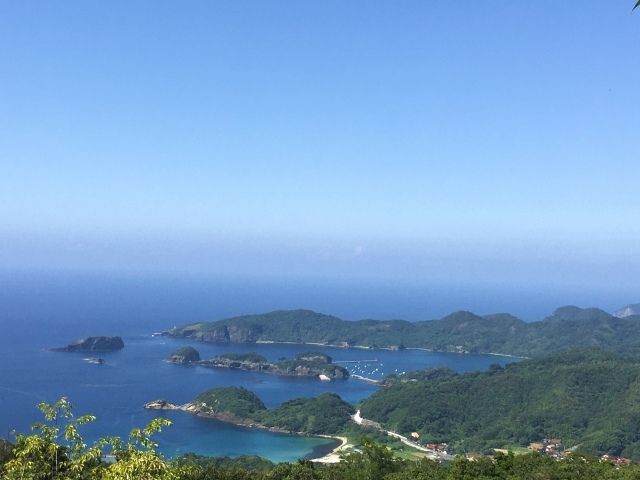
[
  {"x": 6, "y": 453},
  {"x": 245, "y": 357},
  {"x": 313, "y": 367},
  {"x": 43, "y": 456},
  {"x": 185, "y": 354},
  {"x": 310, "y": 364},
  {"x": 245, "y": 462},
  {"x": 57, "y": 451},
  {"x": 34, "y": 458},
  {"x": 568, "y": 327},
  {"x": 426, "y": 375},
  {"x": 317, "y": 357},
  {"x": 235, "y": 400},
  {"x": 586, "y": 397},
  {"x": 326, "y": 414}
]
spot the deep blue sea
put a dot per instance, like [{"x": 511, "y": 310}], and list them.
[{"x": 42, "y": 310}]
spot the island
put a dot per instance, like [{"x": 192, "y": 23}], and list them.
[
  {"x": 309, "y": 364},
  {"x": 325, "y": 414},
  {"x": 184, "y": 355},
  {"x": 93, "y": 344}
]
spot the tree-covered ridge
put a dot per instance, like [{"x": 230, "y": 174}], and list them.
[
  {"x": 588, "y": 398},
  {"x": 326, "y": 414},
  {"x": 56, "y": 451},
  {"x": 235, "y": 400},
  {"x": 250, "y": 357},
  {"x": 568, "y": 327}
]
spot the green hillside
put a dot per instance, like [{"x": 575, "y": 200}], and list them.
[
  {"x": 568, "y": 327},
  {"x": 588, "y": 398},
  {"x": 325, "y": 414},
  {"x": 236, "y": 400}
]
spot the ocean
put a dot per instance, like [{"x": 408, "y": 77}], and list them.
[{"x": 40, "y": 310}]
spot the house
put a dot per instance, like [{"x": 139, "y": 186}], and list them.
[
  {"x": 552, "y": 442},
  {"x": 618, "y": 461},
  {"x": 438, "y": 447}
]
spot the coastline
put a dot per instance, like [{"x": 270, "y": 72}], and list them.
[
  {"x": 388, "y": 349},
  {"x": 508, "y": 355},
  {"x": 334, "y": 455},
  {"x": 358, "y": 347},
  {"x": 331, "y": 457},
  {"x": 225, "y": 417},
  {"x": 366, "y": 379}
]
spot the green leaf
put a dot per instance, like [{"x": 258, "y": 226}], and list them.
[{"x": 636, "y": 5}]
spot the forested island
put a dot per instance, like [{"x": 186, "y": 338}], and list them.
[
  {"x": 463, "y": 332},
  {"x": 308, "y": 364}
]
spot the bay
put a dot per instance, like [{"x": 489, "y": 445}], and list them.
[{"x": 43, "y": 312}]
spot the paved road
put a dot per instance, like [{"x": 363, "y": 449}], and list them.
[{"x": 357, "y": 418}]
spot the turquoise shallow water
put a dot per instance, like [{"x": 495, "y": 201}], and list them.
[{"x": 39, "y": 315}]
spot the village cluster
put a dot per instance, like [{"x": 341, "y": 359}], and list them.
[{"x": 553, "y": 448}]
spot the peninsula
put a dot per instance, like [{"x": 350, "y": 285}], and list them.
[
  {"x": 461, "y": 332},
  {"x": 325, "y": 414}
]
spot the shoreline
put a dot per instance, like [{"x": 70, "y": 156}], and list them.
[
  {"x": 190, "y": 408},
  {"x": 334, "y": 455},
  {"x": 366, "y": 379},
  {"x": 347, "y": 347},
  {"x": 508, "y": 355}
]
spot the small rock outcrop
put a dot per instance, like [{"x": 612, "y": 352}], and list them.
[
  {"x": 161, "y": 405},
  {"x": 93, "y": 344},
  {"x": 185, "y": 355}
]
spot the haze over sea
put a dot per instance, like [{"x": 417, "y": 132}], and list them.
[{"x": 42, "y": 309}]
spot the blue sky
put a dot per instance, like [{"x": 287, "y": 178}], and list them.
[{"x": 492, "y": 141}]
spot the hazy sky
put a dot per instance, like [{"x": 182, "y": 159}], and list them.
[{"x": 469, "y": 140}]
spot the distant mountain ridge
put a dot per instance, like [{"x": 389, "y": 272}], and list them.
[{"x": 464, "y": 332}]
